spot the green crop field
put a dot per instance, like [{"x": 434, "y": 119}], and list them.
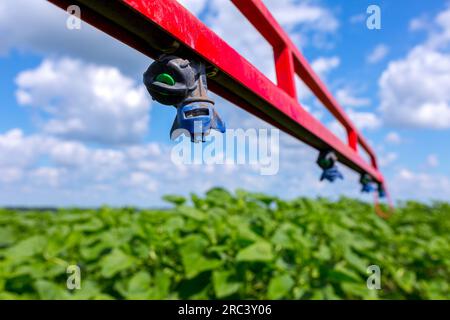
[{"x": 222, "y": 245}]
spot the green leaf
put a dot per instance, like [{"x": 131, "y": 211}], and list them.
[
  {"x": 191, "y": 213},
  {"x": 174, "y": 199},
  {"x": 7, "y": 236},
  {"x": 194, "y": 243},
  {"x": 223, "y": 285},
  {"x": 330, "y": 294},
  {"x": 50, "y": 291},
  {"x": 280, "y": 286},
  {"x": 242, "y": 229},
  {"x": 161, "y": 286},
  {"x": 192, "y": 256},
  {"x": 137, "y": 287},
  {"x": 355, "y": 261},
  {"x": 194, "y": 264},
  {"x": 259, "y": 251},
  {"x": 284, "y": 235},
  {"x": 405, "y": 279},
  {"x": 90, "y": 226},
  {"x": 341, "y": 274},
  {"x": 355, "y": 290},
  {"x": 264, "y": 198},
  {"x": 115, "y": 262},
  {"x": 89, "y": 290},
  {"x": 139, "y": 282},
  {"x": 27, "y": 248},
  {"x": 324, "y": 253},
  {"x": 219, "y": 197},
  {"x": 94, "y": 252}
]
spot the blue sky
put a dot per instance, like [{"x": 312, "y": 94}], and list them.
[{"x": 78, "y": 128}]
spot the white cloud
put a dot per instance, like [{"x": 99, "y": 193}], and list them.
[
  {"x": 47, "y": 176},
  {"x": 420, "y": 23},
  {"x": 393, "y": 138},
  {"x": 75, "y": 174},
  {"x": 378, "y": 53},
  {"x": 415, "y": 91},
  {"x": 20, "y": 150},
  {"x": 338, "y": 130},
  {"x": 324, "y": 65},
  {"x": 419, "y": 185},
  {"x": 195, "y": 6},
  {"x": 303, "y": 19},
  {"x": 85, "y": 101},
  {"x": 292, "y": 14},
  {"x": 440, "y": 34},
  {"x": 61, "y": 172},
  {"x": 49, "y": 167},
  {"x": 226, "y": 21},
  {"x": 39, "y": 27},
  {"x": 10, "y": 175},
  {"x": 432, "y": 161},
  {"x": 364, "y": 120},
  {"x": 347, "y": 98},
  {"x": 142, "y": 180},
  {"x": 387, "y": 159},
  {"x": 69, "y": 153}
]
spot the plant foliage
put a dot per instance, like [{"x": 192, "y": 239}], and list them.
[{"x": 243, "y": 246}]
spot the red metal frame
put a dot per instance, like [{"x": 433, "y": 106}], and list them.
[{"x": 157, "y": 26}]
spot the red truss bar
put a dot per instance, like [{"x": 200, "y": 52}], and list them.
[{"x": 165, "y": 26}]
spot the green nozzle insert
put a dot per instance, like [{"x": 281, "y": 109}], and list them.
[
  {"x": 165, "y": 78},
  {"x": 324, "y": 163}
]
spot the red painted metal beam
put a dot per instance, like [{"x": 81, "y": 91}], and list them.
[
  {"x": 284, "y": 66},
  {"x": 164, "y": 26}
]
